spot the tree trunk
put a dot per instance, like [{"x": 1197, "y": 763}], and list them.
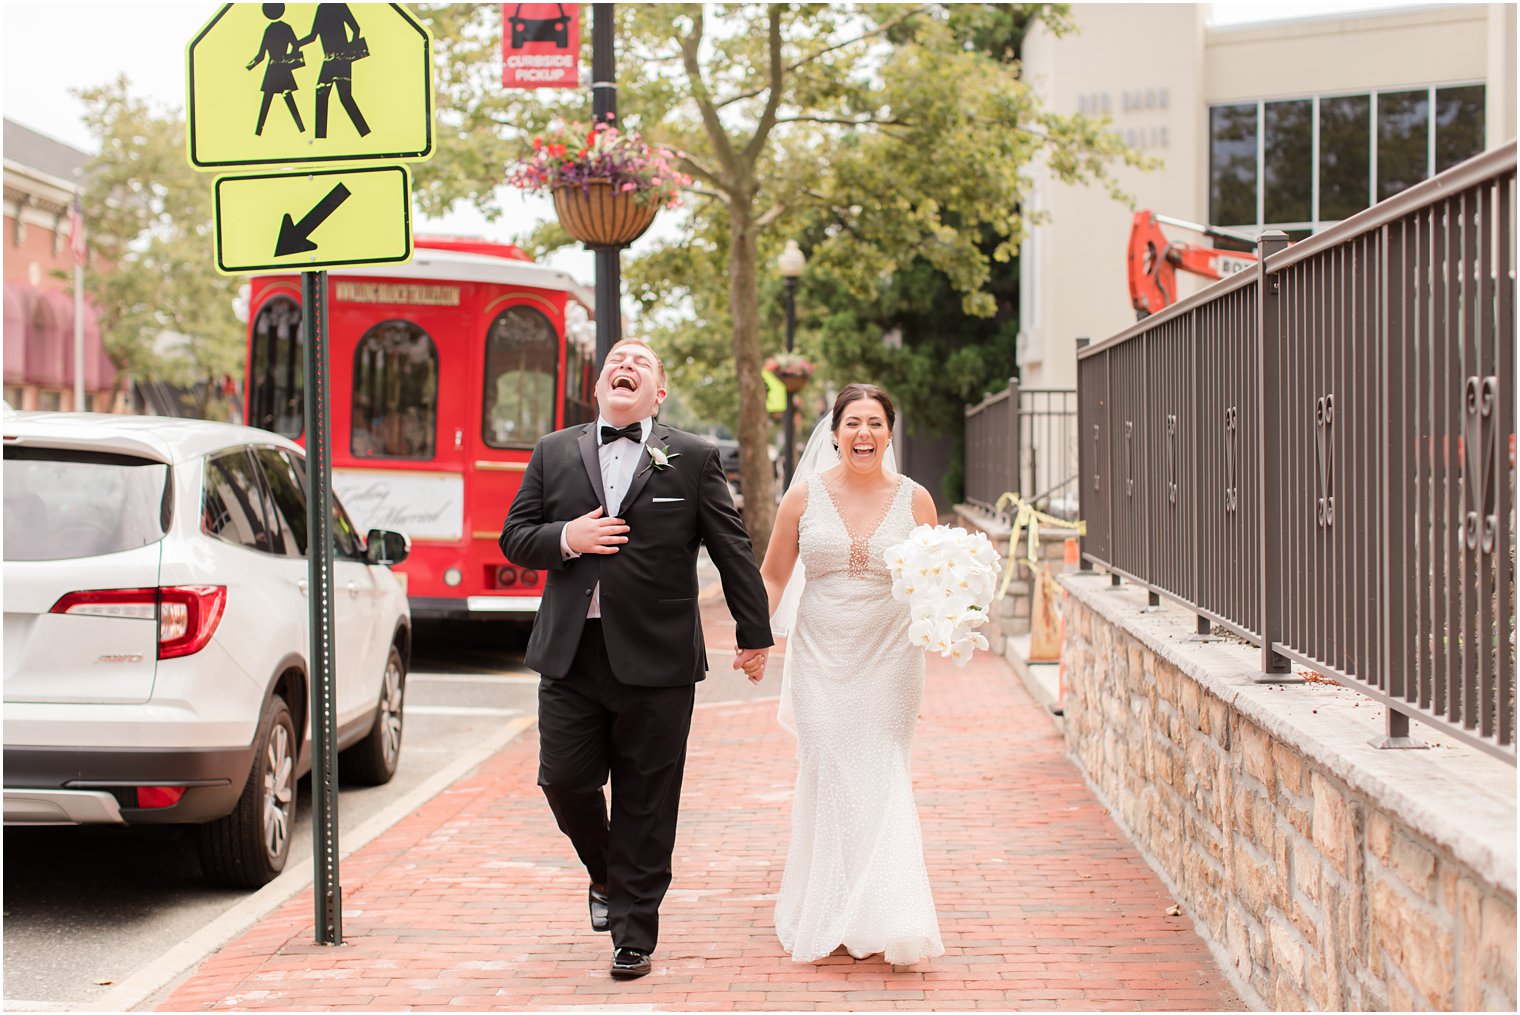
[{"x": 754, "y": 425}]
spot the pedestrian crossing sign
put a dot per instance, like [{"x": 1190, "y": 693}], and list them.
[{"x": 284, "y": 84}]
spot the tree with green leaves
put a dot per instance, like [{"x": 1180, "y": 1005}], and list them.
[
  {"x": 150, "y": 228},
  {"x": 890, "y": 133}
]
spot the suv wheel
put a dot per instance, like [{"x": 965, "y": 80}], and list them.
[
  {"x": 248, "y": 848},
  {"x": 373, "y": 760}
]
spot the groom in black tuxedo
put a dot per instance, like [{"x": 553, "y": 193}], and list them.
[{"x": 614, "y": 512}]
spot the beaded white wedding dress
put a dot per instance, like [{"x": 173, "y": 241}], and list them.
[{"x": 855, "y": 872}]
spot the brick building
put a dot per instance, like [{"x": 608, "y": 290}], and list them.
[{"x": 41, "y": 179}]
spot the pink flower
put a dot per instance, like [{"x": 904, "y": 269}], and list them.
[{"x": 630, "y": 186}]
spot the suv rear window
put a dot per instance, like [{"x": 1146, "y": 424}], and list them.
[{"x": 65, "y": 504}]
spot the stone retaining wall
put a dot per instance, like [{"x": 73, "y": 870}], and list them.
[{"x": 1326, "y": 873}]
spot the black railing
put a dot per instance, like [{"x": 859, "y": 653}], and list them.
[
  {"x": 1319, "y": 455},
  {"x": 992, "y": 446},
  {"x": 1023, "y": 440}
]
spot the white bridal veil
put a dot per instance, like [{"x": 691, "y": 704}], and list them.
[{"x": 818, "y": 456}]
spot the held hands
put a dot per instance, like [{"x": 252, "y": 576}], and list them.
[
  {"x": 751, "y": 661},
  {"x": 591, "y": 533}
]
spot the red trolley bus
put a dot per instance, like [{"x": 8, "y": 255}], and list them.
[{"x": 443, "y": 373}]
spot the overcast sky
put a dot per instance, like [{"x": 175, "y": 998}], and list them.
[{"x": 54, "y": 47}]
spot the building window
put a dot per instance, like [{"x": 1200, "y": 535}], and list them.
[
  {"x": 1288, "y": 160},
  {"x": 1303, "y": 164},
  {"x": 1459, "y": 124},
  {"x": 276, "y": 376},
  {"x": 522, "y": 365},
  {"x": 395, "y": 404},
  {"x": 1232, "y": 164},
  {"x": 1344, "y": 155}
]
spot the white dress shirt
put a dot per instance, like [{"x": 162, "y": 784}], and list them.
[{"x": 620, "y": 462}]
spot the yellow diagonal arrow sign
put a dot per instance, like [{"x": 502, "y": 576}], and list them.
[{"x": 313, "y": 221}]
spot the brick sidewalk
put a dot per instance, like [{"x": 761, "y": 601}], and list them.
[{"x": 476, "y": 902}]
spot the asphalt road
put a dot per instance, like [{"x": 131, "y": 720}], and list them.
[{"x": 84, "y": 908}]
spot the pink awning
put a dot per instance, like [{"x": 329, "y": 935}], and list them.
[{"x": 39, "y": 339}]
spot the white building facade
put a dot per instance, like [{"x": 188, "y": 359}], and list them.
[{"x": 1291, "y": 125}]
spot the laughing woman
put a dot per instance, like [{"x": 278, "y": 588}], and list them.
[{"x": 855, "y": 874}]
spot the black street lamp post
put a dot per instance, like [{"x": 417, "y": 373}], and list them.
[
  {"x": 609, "y": 269},
  {"x": 791, "y": 262}
]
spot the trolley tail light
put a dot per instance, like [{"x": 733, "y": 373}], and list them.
[{"x": 187, "y": 614}]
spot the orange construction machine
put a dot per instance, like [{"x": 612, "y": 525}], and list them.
[{"x": 1155, "y": 260}]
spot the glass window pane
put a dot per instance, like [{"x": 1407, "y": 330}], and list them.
[
  {"x": 579, "y": 382},
  {"x": 1232, "y": 165},
  {"x": 1459, "y": 124},
  {"x": 1288, "y": 145},
  {"x": 1403, "y": 141},
  {"x": 1345, "y": 156},
  {"x": 231, "y": 504},
  {"x": 522, "y": 364},
  {"x": 395, "y": 393},
  {"x": 63, "y": 504},
  {"x": 287, "y": 492},
  {"x": 276, "y": 374}
]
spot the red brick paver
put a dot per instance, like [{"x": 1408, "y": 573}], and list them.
[{"x": 475, "y": 902}]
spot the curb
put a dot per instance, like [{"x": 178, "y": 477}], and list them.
[{"x": 157, "y": 977}]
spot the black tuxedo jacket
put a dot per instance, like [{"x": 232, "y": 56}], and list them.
[{"x": 649, "y": 587}]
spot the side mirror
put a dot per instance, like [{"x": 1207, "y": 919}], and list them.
[{"x": 384, "y": 546}]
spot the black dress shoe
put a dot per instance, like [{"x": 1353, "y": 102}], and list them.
[
  {"x": 596, "y": 897},
  {"x": 629, "y": 963}
]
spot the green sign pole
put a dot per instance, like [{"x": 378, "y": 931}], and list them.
[{"x": 319, "y": 562}]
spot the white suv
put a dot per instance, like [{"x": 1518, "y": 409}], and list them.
[{"x": 156, "y": 633}]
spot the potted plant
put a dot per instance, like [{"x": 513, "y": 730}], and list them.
[
  {"x": 607, "y": 183},
  {"x": 792, "y": 368}
]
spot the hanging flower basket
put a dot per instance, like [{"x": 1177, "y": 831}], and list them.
[
  {"x": 793, "y": 382},
  {"x": 607, "y": 183},
  {"x": 791, "y": 369},
  {"x": 599, "y": 215}
]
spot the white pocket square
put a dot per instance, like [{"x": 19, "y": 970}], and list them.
[{"x": 668, "y": 500}]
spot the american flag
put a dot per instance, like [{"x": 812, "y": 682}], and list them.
[{"x": 76, "y": 231}]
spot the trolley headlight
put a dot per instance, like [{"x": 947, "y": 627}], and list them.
[
  {"x": 506, "y": 576},
  {"x": 452, "y": 577},
  {"x": 530, "y": 578}
]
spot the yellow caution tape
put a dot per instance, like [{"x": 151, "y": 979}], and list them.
[{"x": 1025, "y": 516}]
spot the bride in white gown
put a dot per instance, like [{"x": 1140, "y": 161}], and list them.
[{"x": 851, "y": 689}]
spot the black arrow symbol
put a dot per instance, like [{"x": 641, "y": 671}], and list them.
[{"x": 295, "y": 236}]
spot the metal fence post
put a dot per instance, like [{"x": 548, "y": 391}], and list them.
[
  {"x": 1015, "y": 485},
  {"x": 1269, "y": 448},
  {"x": 1082, "y": 562}
]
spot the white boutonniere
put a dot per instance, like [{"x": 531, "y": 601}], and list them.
[{"x": 660, "y": 458}]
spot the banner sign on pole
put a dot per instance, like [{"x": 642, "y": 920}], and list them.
[{"x": 540, "y": 45}]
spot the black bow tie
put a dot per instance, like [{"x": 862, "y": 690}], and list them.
[{"x": 633, "y": 432}]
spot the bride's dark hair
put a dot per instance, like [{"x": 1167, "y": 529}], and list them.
[{"x": 854, "y": 393}]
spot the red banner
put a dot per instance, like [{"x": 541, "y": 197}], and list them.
[{"x": 540, "y": 45}]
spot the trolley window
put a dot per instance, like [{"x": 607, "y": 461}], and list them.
[
  {"x": 395, "y": 398},
  {"x": 522, "y": 363},
  {"x": 276, "y": 375}
]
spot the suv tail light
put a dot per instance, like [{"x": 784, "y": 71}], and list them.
[{"x": 187, "y": 614}]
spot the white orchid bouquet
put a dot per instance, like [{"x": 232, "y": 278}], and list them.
[{"x": 947, "y": 577}]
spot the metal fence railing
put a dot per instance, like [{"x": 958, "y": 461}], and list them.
[
  {"x": 992, "y": 443},
  {"x": 1047, "y": 466},
  {"x": 1319, "y": 455},
  {"x": 1023, "y": 440}
]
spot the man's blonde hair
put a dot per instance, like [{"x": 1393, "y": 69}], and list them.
[{"x": 639, "y": 340}]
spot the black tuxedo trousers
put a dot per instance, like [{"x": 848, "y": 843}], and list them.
[
  {"x": 615, "y": 698},
  {"x": 592, "y": 726}
]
